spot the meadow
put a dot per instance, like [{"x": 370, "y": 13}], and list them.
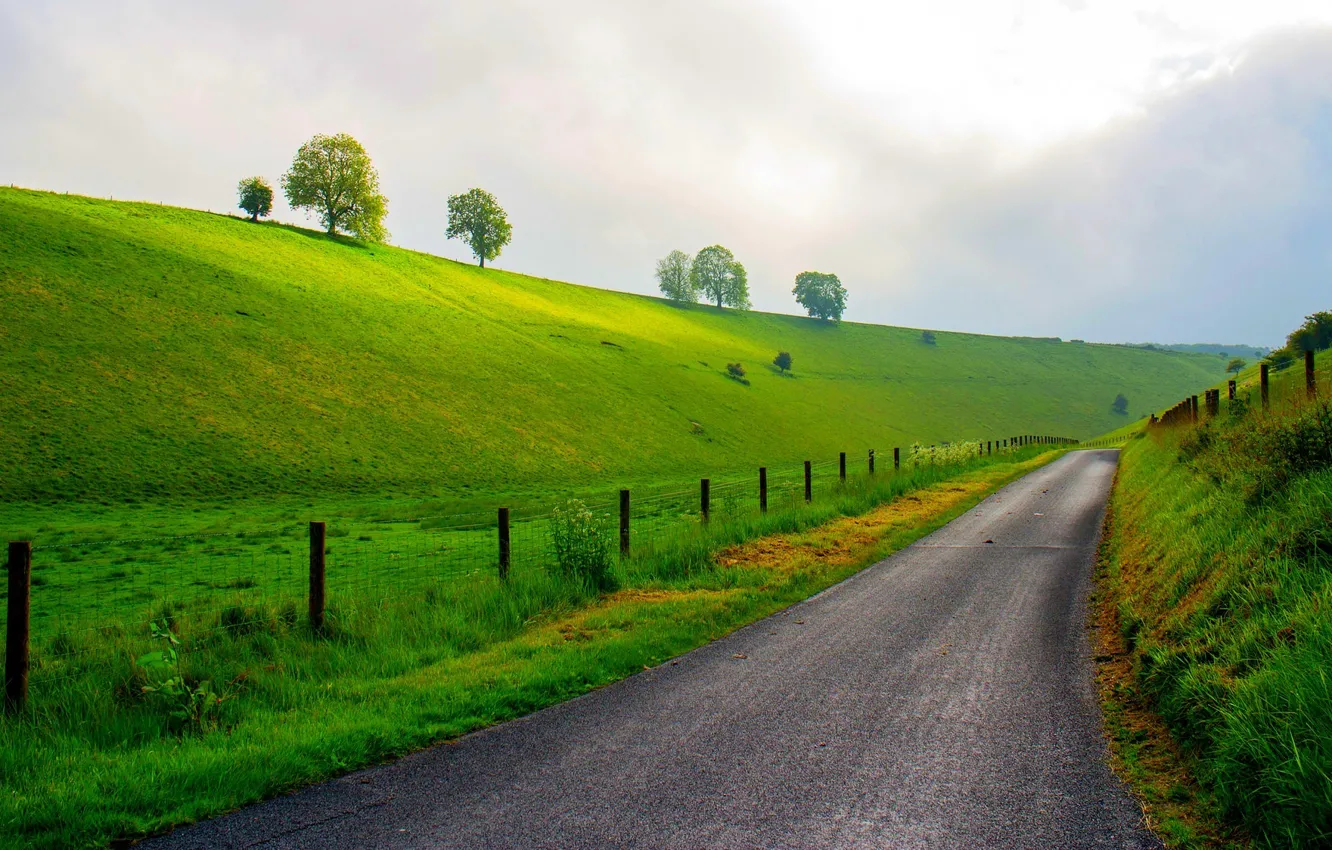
[
  {"x": 412, "y": 654},
  {"x": 1218, "y": 573}
]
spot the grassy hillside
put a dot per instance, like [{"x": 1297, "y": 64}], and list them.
[
  {"x": 155, "y": 352},
  {"x": 1220, "y": 574}
]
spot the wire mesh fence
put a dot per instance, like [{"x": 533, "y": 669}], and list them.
[{"x": 92, "y": 603}]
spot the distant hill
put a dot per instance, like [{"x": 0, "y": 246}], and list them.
[
  {"x": 1248, "y": 352},
  {"x": 152, "y": 352}
]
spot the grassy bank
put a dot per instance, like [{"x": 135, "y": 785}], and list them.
[
  {"x": 1218, "y": 578},
  {"x": 94, "y": 758}
]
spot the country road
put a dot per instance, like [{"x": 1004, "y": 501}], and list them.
[{"x": 941, "y": 698}]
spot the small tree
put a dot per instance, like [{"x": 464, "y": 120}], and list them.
[
  {"x": 674, "y": 276},
  {"x": 717, "y": 275},
  {"x": 735, "y": 370},
  {"x": 782, "y": 361},
  {"x": 332, "y": 176},
  {"x": 478, "y": 219},
  {"x": 822, "y": 295},
  {"x": 256, "y": 197},
  {"x": 927, "y": 337},
  {"x": 1236, "y": 364},
  {"x": 1120, "y": 405}
]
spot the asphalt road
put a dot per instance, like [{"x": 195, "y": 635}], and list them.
[{"x": 941, "y": 698}]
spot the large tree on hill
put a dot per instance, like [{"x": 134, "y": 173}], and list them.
[
  {"x": 477, "y": 218},
  {"x": 673, "y": 276},
  {"x": 717, "y": 275},
  {"x": 332, "y": 176},
  {"x": 255, "y": 197},
  {"x": 1314, "y": 335},
  {"x": 822, "y": 295},
  {"x": 1236, "y": 364}
]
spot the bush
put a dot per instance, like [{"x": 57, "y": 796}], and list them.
[
  {"x": 582, "y": 546},
  {"x": 735, "y": 370},
  {"x": 782, "y": 361},
  {"x": 927, "y": 337}
]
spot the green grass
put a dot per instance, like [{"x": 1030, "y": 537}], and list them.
[
  {"x": 1220, "y": 567},
  {"x": 168, "y": 354},
  {"x": 92, "y": 759}
]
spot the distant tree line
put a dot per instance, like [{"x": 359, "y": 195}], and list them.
[{"x": 333, "y": 178}]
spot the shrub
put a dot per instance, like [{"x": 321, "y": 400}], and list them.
[
  {"x": 582, "y": 545},
  {"x": 735, "y": 370},
  {"x": 927, "y": 337},
  {"x": 1120, "y": 405},
  {"x": 782, "y": 361}
]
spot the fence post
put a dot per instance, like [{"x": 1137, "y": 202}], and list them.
[
  {"x": 504, "y": 549},
  {"x": 871, "y": 461},
  {"x": 17, "y": 626},
  {"x": 1310, "y": 385},
  {"x": 809, "y": 483},
  {"x": 763, "y": 489},
  {"x": 317, "y": 573},
  {"x": 624, "y": 523},
  {"x": 989, "y": 447},
  {"x": 841, "y": 467},
  {"x": 897, "y": 458},
  {"x": 1263, "y": 383},
  {"x": 1213, "y": 402},
  {"x": 705, "y": 498},
  {"x": 1230, "y": 388},
  {"x": 1193, "y": 407}
]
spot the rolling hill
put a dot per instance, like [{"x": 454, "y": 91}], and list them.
[{"x": 152, "y": 352}]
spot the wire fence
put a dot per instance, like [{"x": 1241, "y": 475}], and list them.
[{"x": 92, "y": 603}]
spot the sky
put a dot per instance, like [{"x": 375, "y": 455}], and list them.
[{"x": 1109, "y": 171}]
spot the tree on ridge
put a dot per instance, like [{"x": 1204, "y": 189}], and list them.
[
  {"x": 255, "y": 197},
  {"x": 717, "y": 275},
  {"x": 333, "y": 177},
  {"x": 477, "y": 218}
]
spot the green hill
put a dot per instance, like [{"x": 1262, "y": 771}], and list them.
[{"x": 151, "y": 352}]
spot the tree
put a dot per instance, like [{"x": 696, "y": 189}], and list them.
[
  {"x": 735, "y": 370},
  {"x": 782, "y": 361},
  {"x": 478, "y": 219},
  {"x": 1314, "y": 335},
  {"x": 256, "y": 197},
  {"x": 1236, "y": 364},
  {"x": 717, "y": 275},
  {"x": 927, "y": 337},
  {"x": 674, "y": 276},
  {"x": 822, "y": 295},
  {"x": 332, "y": 176},
  {"x": 1120, "y": 405}
]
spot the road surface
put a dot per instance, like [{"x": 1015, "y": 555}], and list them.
[{"x": 941, "y": 698}]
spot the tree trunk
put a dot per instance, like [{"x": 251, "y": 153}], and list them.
[{"x": 482, "y": 260}]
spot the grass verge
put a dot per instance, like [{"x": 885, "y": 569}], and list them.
[{"x": 94, "y": 763}]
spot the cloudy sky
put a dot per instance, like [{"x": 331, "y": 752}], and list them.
[{"x": 1113, "y": 171}]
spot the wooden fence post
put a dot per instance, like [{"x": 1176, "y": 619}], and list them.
[
  {"x": 505, "y": 552},
  {"x": 763, "y": 489},
  {"x": 317, "y": 574},
  {"x": 1263, "y": 385},
  {"x": 841, "y": 467},
  {"x": 17, "y": 627},
  {"x": 705, "y": 498},
  {"x": 897, "y": 458},
  {"x": 809, "y": 483},
  {"x": 1193, "y": 407},
  {"x": 1230, "y": 390},
  {"x": 871, "y": 461},
  {"x": 624, "y": 523},
  {"x": 1310, "y": 383}
]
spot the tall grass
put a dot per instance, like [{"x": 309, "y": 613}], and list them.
[{"x": 1221, "y": 567}]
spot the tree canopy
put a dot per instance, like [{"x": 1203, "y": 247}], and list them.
[
  {"x": 1314, "y": 335},
  {"x": 717, "y": 275},
  {"x": 332, "y": 176},
  {"x": 782, "y": 361},
  {"x": 255, "y": 197},
  {"x": 674, "y": 277},
  {"x": 477, "y": 218},
  {"x": 1236, "y": 364},
  {"x": 822, "y": 295}
]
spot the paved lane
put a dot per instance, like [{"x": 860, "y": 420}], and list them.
[{"x": 941, "y": 698}]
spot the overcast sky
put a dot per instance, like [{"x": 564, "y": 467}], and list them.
[{"x": 1113, "y": 171}]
